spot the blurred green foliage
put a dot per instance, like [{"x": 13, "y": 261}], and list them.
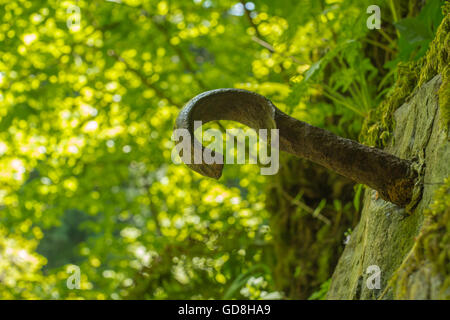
[{"x": 86, "y": 117}]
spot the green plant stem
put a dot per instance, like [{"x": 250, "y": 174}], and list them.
[
  {"x": 341, "y": 100},
  {"x": 394, "y": 15},
  {"x": 380, "y": 45}
]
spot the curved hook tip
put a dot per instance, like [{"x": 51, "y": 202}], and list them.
[
  {"x": 246, "y": 107},
  {"x": 208, "y": 170}
]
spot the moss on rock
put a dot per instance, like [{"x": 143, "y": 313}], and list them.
[
  {"x": 427, "y": 264},
  {"x": 430, "y": 255},
  {"x": 378, "y": 127},
  {"x": 386, "y": 236}
]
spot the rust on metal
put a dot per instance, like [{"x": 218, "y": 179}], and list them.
[{"x": 392, "y": 177}]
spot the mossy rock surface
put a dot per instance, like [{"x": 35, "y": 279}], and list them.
[{"x": 387, "y": 236}]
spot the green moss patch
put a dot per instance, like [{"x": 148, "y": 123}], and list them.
[{"x": 378, "y": 126}]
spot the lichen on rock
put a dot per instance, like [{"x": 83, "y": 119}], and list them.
[
  {"x": 386, "y": 236},
  {"x": 429, "y": 258},
  {"x": 412, "y": 251}
]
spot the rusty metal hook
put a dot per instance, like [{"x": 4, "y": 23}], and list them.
[{"x": 392, "y": 177}]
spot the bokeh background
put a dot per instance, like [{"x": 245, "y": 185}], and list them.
[{"x": 89, "y": 91}]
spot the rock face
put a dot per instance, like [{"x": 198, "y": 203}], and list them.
[{"x": 386, "y": 234}]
